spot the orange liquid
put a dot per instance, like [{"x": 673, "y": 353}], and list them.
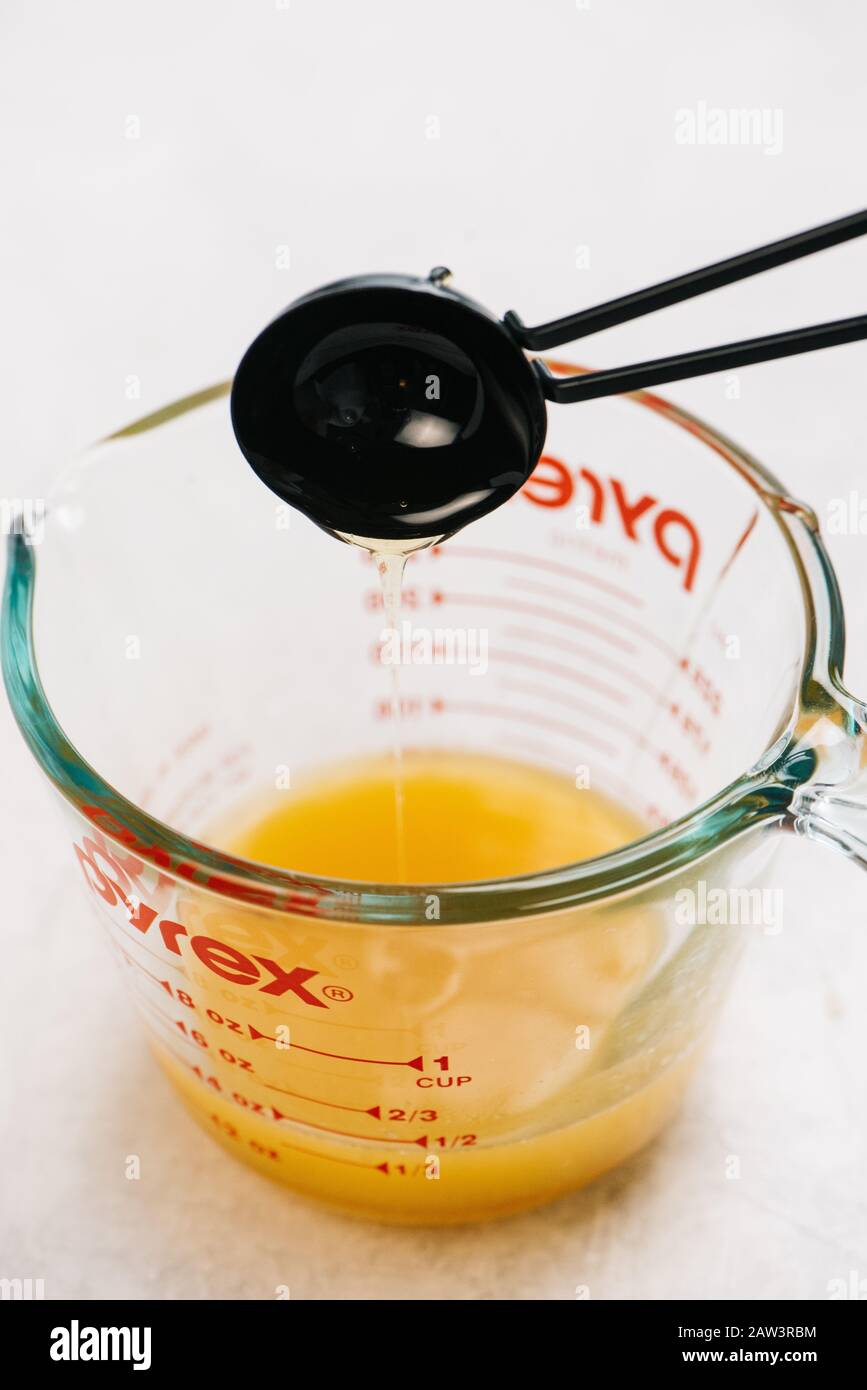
[
  {"x": 465, "y": 817},
  {"x": 448, "y": 1072}
]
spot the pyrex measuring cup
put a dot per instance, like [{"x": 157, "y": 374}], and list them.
[{"x": 661, "y": 624}]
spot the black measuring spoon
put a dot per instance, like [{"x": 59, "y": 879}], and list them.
[{"x": 392, "y": 408}]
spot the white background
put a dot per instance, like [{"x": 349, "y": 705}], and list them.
[{"x": 306, "y": 126}]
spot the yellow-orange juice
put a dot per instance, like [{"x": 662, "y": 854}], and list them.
[
  {"x": 434, "y": 1072},
  {"x": 465, "y": 817}
]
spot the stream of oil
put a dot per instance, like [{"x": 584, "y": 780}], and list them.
[{"x": 390, "y": 567}]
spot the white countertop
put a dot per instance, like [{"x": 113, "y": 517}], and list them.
[{"x": 155, "y": 258}]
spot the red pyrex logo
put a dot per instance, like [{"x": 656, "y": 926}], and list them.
[
  {"x": 106, "y": 877},
  {"x": 674, "y": 535}
]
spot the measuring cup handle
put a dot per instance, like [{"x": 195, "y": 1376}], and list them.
[
  {"x": 840, "y": 822},
  {"x": 831, "y": 804}
]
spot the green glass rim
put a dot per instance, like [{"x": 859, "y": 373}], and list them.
[{"x": 759, "y": 796}]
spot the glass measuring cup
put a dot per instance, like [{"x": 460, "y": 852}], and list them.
[{"x": 662, "y": 624}]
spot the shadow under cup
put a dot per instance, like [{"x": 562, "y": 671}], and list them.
[{"x": 659, "y": 622}]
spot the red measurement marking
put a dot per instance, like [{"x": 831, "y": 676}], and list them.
[
  {"x": 524, "y": 716},
  {"x": 739, "y": 545},
  {"x": 555, "y": 668},
  {"x": 346, "y": 1133},
  {"x": 545, "y": 639},
  {"x": 384, "y": 708},
  {"x": 542, "y": 752},
  {"x": 373, "y": 1110},
  {"x": 678, "y": 774},
  {"x": 167, "y": 1023},
  {"x": 690, "y": 726},
  {"x": 188, "y": 743},
  {"x": 533, "y": 610},
  {"x": 417, "y": 1063},
  {"x": 558, "y": 697},
  {"x": 703, "y": 684},
  {"x": 470, "y": 552},
  {"x": 608, "y": 785},
  {"x": 644, "y": 633},
  {"x": 332, "y": 1158},
  {"x": 373, "y": 599}
]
